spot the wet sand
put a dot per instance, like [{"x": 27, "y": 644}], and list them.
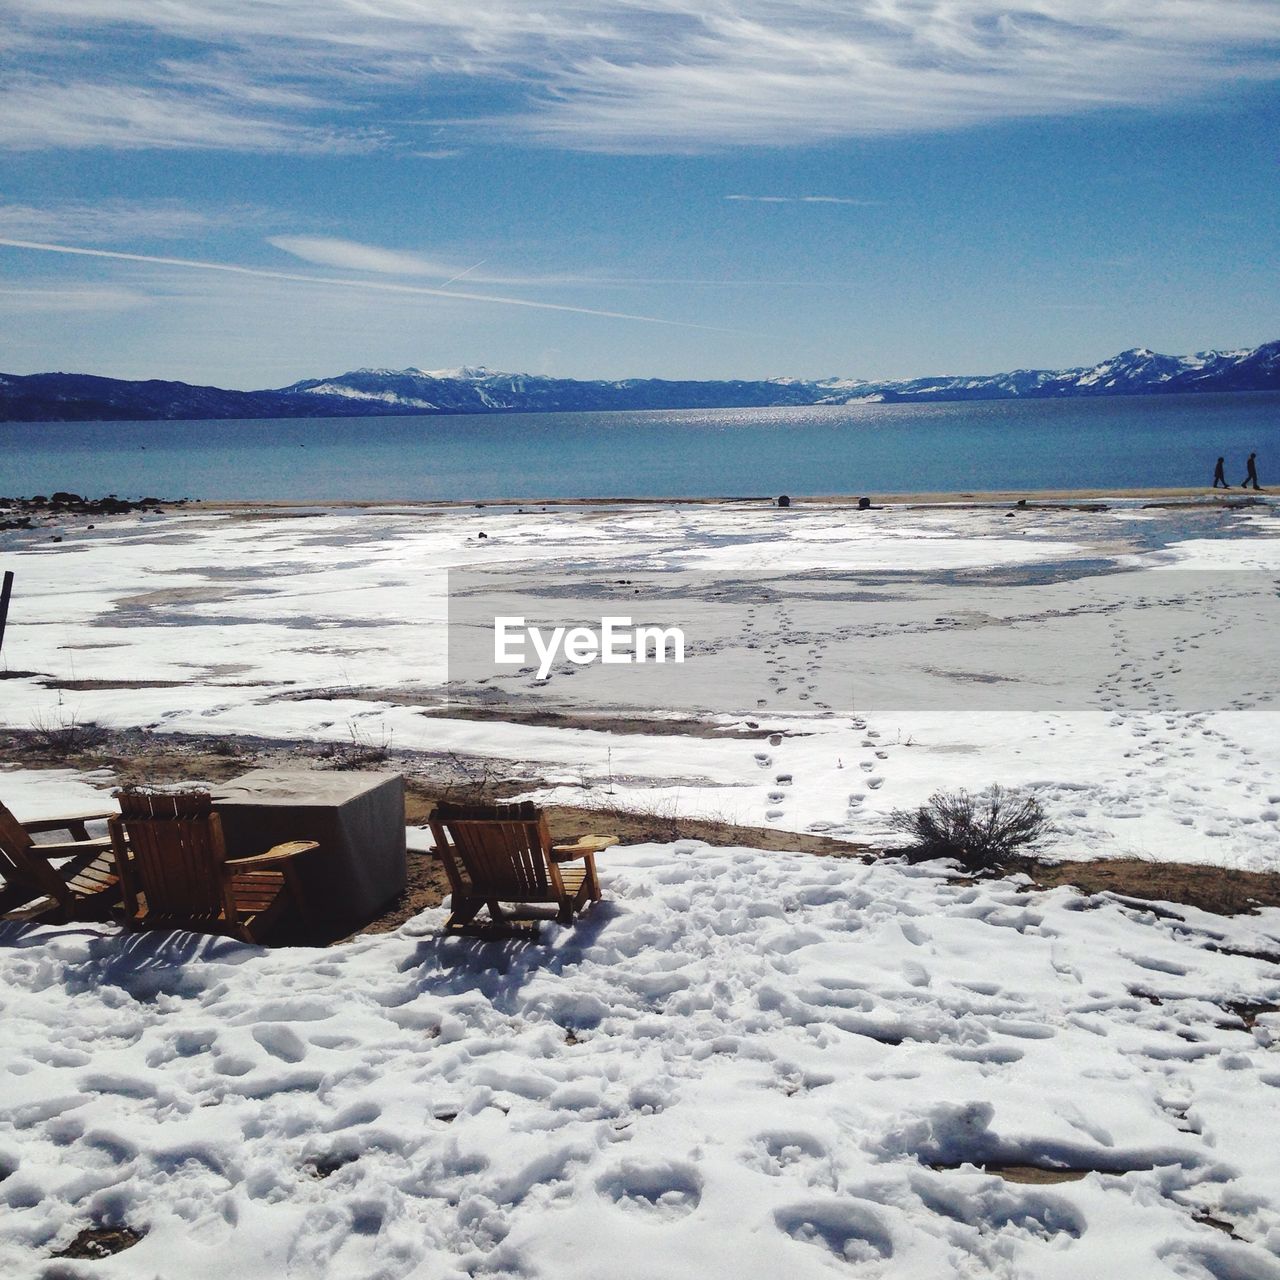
[{"x": 976, "y": 498}]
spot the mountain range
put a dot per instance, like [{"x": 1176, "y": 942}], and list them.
[{"x": 78, "y": 397}]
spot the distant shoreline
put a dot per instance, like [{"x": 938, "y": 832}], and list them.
[
  {"x": 1056, "y": 498},
  {"x": 25, "y": 515},
  {"x": 479, "y": 391}
]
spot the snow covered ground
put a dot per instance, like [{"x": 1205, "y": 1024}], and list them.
[
  {"x": 739, "y": 1065},
  {"x": 1147, "y": 731}
]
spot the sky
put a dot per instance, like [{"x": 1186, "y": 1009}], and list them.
[{"x": 250, "y": 192}]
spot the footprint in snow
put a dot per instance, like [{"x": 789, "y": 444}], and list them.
[
  {"x": 281, "y": 1042},
  {"x": 664, "y": 1188},
  {"x": 795, "y": 1153},
  {"x": 996, "y": 1055},
  {"x": 850, "y": 1229}
]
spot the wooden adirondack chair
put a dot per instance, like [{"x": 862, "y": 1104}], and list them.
[
  {"x": 503, "y": 853},
  {"x": 179, "y": 875},
  {"x": 83, "y": 888}
]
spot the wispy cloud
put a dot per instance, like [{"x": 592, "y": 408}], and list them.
[
  {"x": 112, "y": 219},
  {"x": 36, "y": 114},
  {"x": 349, "y": 255},
  {"x": 801, "y": 200},
  {"x": 40, "y": 298},
  {"x": 385, "y": 286},
  {"x": 645, "y": 75}
]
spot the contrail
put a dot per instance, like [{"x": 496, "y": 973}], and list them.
[
  {"x": 376, "y": 285},
  {"x": 466, "y": 272}
]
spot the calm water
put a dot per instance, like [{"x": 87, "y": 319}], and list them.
[{"x": 1117, "y": 441}]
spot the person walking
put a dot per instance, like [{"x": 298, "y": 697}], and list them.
[
  {"x": 1219, "y": 475},
  {"x": 1251, "y": 476}
]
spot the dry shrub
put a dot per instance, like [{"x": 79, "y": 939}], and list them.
[
  {"x": 978, "y": 831},
  {"x": 60, "y": 734}
]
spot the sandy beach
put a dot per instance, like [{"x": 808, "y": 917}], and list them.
[{"x": 983, "y": 497}]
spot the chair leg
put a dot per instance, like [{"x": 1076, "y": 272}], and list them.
[
  {"x": 300, "y": 903},
  {"x": 463, "y": 912},
  {"x": 591, "y": 881}
]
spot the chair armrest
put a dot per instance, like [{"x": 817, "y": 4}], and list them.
[
  {"x": 581, "y": 847},
  {"x": 70, "y": 848},
  {"x": 281, "y": 853},
  {"x": 70, "y": 822}
]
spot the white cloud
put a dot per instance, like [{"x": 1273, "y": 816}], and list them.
[
  {"x": 350, "y": 255},
  {"x": 111, "y": 219},
  {"x": 37, "y": 114},
  {"x": 618, "y": 75},
  {"x": 326, "y": 251},
  {"x": 800, "y": 200},
  {"x": 385, "y": 286},
  {"x": 40, "y": 298}
]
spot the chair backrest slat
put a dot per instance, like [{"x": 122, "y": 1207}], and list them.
[
  {"x": 21, "y": 867},
  {"x": 178, "y": 852},
  {"x": 503, "y": 849}
]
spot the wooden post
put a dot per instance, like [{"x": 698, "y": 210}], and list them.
[{"x": 5, "y": 589}]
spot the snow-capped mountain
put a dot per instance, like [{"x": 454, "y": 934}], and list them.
[
  {"x": 481, "y": 390},
  {"x": 47, "y": 397},
  {"x": 1139, "y": 371}
]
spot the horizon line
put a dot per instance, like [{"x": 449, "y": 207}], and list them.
[{"x": 443, "y": 374}]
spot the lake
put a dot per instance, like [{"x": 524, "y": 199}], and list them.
[{"x": 1114, "y": 441}]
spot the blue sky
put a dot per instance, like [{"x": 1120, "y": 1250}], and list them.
[{"x": 734, "y": 188}]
